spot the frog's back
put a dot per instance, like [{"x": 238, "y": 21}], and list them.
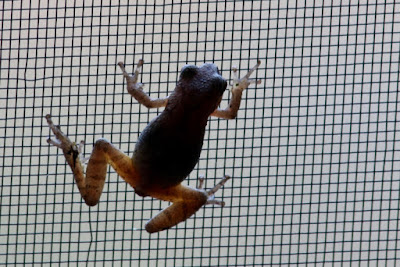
[
  {"x": 165, "y": 154},
  {"x": 170, "y": 146}
]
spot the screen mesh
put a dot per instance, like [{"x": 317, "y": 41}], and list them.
[{"x": 312, "y": 153}]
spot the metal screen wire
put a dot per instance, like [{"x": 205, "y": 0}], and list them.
[{"x": 313, "y": 154}]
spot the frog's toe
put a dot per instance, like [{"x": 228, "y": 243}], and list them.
[
  {"x": 54, "y": 142},
  {"x": 254, "y": 81},
  {"x": 219, "y": 185},
  {"x": 201, "y": 182},
  {"x": 212, "y": 191},
  {"x": 212, "y": 201},
  {"x": 60, "y": 140}
]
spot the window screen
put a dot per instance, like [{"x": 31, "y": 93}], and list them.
[{"x": 313, "y": 154}]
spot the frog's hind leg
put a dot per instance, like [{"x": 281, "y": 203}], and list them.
[
  {"x": 91, "y": 185},
  {"x": 186, "y": 201}
]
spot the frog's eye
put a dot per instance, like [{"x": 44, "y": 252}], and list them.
[
  {"x": 219, "y": 83},
  {"x": 189, "y": 71}
]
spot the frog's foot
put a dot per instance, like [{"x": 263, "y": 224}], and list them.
[
  {"x": 136, "y": 89},
  {"x": 71, "y": 150},
  {"x": 212, "y": 191},
  {"x": 186, "y": 201},
  {"x": 132, "y": 79},
  {"x": 244, "y": 82}
]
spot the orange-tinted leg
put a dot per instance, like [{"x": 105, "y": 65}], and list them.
[
  {"x": 185, "y": 202},
  {"x": 91, "y": 185}
]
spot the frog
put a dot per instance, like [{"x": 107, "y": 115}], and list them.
[{"x": 167, "y": 150}]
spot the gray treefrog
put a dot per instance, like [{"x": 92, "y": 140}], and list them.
[{"x": 168, "y": 148}]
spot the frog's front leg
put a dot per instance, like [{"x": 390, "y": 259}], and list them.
[
  {"x": 239, "y": 85},
  {"x": 185, "y": 202},
  {"x": 91, "y": 185},
  {"x": 136, "y": 89}
]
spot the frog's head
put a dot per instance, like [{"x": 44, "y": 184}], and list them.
[
  {"x": 205, "y": 79},
  {"x": 201, "y": 87}
]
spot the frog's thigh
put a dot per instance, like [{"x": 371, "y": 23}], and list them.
[
  {"x": 105, "y": 153},
  {"x": 186, "y": 201}
]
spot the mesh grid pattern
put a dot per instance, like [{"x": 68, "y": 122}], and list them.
[{"x": 313, "y": 153}]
